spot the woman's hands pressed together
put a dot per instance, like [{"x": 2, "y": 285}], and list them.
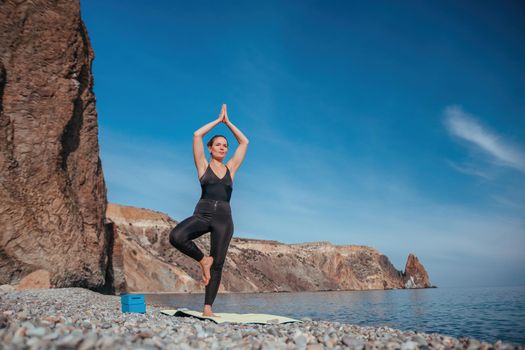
[{"x": 223, "y": 115}]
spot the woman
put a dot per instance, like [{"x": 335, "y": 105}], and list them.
[{"x": 212, "y": 213}]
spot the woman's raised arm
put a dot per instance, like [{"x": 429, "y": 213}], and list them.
[
  {"x": 198, "y": 146},
  {"x": 235, "y": 162}
]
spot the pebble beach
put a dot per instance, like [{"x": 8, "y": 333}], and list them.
[{"x": 78, "y": 318}]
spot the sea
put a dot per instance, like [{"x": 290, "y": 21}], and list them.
[{"x": 484, "y": 313}]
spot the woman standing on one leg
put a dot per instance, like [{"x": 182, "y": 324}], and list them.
[{"x": 213, "y": 212}]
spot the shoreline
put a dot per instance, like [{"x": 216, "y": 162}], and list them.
[
  {"x": 279, "y": 291},
  {"x": 78, "y": 318}
]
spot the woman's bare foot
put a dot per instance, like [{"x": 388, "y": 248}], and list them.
[
  {"x": 207, "y": 312},
  {"x": 206, "y": 263}
]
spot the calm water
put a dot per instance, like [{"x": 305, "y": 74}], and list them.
[{"x": 488, "y": 313}]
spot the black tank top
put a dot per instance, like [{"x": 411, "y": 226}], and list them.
[{"x": 215, "y": 188}]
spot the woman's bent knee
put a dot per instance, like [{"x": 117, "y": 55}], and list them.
[{"x": 175, "y": 239}]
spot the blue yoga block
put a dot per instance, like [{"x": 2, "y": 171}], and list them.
[
  {"x": 134, "y": 308},
  {"x": 132, "y": 298},
  {"x": 133, "y": 303}
]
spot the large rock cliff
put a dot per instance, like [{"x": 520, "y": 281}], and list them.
[
  {"x": 52, "y": 191},
  {"x": 144, "y": 260}
]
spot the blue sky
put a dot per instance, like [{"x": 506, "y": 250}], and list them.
[{"x": 397, "y": 125}]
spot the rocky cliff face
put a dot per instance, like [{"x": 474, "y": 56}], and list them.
[
  {"x": 144, "y": 260},
  {"x": 53, "y": 196}
]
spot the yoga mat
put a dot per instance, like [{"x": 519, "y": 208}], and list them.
[{"x": 231, "y": 317}]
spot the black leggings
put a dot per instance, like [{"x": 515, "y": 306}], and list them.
[{"x": 209, "y": 216}]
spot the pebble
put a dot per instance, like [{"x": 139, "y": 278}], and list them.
[
  {"x": 314, "y": 347},
  {"x": 51, "y": 336},
  {"x": 40, "y": 319},
  {"x": 420, "y": 340},
  {"x": 409, "y": 345},
  {"x": 88, "y": 343},
  {"x": 300, "y": 340},
  {"x": 474, "y": 344},
  {"x": 38, "y": 332},
  {"x": 69, "y": 341},
  {"x": 87, "y": 324}
]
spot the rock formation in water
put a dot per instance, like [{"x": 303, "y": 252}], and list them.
[
  {"x": 415, "y": 275},
  {"x": 52, "y": 190},
  {"x": 144, "y": 260}
]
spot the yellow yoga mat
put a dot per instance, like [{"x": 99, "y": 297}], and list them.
[{"x": 232, "y": 317}]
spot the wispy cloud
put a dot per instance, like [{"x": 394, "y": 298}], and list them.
[
  {"x": 468, "y": 170},
  {"x": 509, "y": 203},
  {"x": 467, "y": 127}
]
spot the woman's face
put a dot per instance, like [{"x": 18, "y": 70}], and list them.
[{"x": 219, "y": 147}]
